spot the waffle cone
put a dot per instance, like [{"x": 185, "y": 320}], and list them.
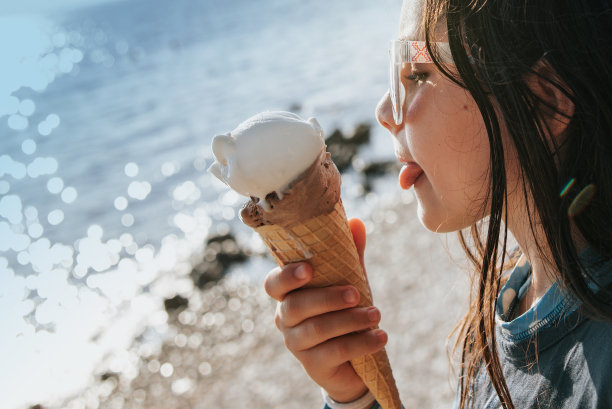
[{"x": 326, "y": 242}]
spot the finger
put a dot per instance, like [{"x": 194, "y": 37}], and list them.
[
  {"x": 337, "y": 351},
  {"x": 359, "y": 237},
  {"x": 310, "y": 302},
  {"x": 319, "y": 329},
  {"x": 282, "y": 280}
]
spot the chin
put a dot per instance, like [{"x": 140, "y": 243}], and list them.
[{"x": 438, "y": 223}]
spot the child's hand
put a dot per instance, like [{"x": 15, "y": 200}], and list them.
[{"x": 323, "y": 328}]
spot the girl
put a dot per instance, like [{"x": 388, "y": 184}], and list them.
[{"x": 502, "y": 118}]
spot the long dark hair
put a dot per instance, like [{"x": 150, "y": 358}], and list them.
[{"x": 495, "y": 45}]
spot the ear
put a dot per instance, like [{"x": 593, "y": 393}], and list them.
[{"x": 556, "y": 106}]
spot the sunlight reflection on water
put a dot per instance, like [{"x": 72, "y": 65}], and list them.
[{"x": 105, "y": 203}]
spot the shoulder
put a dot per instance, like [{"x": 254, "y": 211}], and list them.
[{"x": 588, "y": 362}]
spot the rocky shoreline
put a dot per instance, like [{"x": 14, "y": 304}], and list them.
[{"x": 222, "y": 349}]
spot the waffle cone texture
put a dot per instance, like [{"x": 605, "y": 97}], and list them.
[{"x": 326, "y": 242}]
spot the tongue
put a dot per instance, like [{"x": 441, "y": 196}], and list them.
[{"x": 409, "y": 174}]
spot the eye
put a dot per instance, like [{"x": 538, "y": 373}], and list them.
[{"x": 417, "y": 77}]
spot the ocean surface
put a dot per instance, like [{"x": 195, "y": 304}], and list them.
[{"x": 106, "y": 117}]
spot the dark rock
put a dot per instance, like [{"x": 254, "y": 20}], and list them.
[
  {"x": 108, "y": 375},
  {"x": 37, "y": 406},
  {"x": 380, "y": 168},
  {"x": 295, "y": 107},
  {"x": 373, "y": 170},
  {"x": 220, "y": 253},
  {"x": 175, "y": 303},
  {"x": 344, "y": 147},
  {"x": 361, "y": 135}
]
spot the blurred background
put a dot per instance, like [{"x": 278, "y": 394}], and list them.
[{"x": 112, "y": 234}]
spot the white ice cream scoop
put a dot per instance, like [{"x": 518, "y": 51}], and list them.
[{"x": 266, "y": 153}]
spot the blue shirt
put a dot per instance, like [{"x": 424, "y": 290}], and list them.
[{"x": 552, "y": 356}]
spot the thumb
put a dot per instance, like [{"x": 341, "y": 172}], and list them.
[{"x": 359, "y": 237}]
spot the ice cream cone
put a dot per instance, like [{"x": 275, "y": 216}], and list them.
[{"x": 326, "y": 242}]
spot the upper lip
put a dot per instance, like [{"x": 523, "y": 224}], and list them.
[{"x": 403, "y": 157}]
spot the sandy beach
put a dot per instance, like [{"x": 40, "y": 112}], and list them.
[{"x": 224, "y": 351}]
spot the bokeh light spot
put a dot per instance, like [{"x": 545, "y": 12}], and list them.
[
  {"x": 181, "y": 386},
  {"x": 186, "y": 192},
  {"x": 31, "y": 213},
  {"x": 121, "y": 203},
  {"x": 44, "y": 129},
  {"x": 153, "y": 366},
  {"x": 28, "y": 146},
  {"x": 127, "y": 220},
  {"x": 582, "y": 200},
  {"x": 55, "y": 185},
  {"x": 169, "y": 169},
  {"x": 55, "y": 217},
  {"x": 49, "y": 124},
  {"x": 27, "y": 107},
  {"x": 42, "y": 166},
  {"x": 11, "y": 167},
  {"x": 17, "y": 122},
  {"x": 95, "y": 232},
  {"x": 23, "y": 258},
  {"x": 69, "y": 195},
  {"x": 139, "y": 190},
  {"x": 204, "y": 368},
  {"x": 53, "y": 120},
  {"x": 10, "y": 208},
  {"x": 166, "y": 370},
  {"x": 131, "y": 170},
  {"x": 35, "y": 230},
  {"x": 20, "y": 242}
]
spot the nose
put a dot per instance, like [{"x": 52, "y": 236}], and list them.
[{"x": 384, "y": 115}]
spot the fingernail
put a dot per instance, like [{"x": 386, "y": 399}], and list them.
[
  {"x": 300, "y": 272},
  {"x": 350, "y": 296},
  {"x": 373, "y": 314},
  {"x": 381, "y": 336}
]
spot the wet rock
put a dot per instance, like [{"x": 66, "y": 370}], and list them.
[
  {"x": 361, "y": 135},
  {"x": 376, "y": 169},
  {"x": 221, "y": 252},
  {"x": 344, "y": 147},
  {"x": 380, "y": 168},
  {"x": 175, "y": 303},
  {"x": 109, "y": 375},
  {"x": 295, "y": 107}
]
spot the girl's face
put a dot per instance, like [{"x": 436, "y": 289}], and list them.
[{"x": 442, "y": 140}]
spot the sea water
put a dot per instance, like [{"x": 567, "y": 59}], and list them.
[{"x": 106, "y": 117}]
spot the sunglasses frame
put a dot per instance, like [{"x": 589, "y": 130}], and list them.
[{"x": 403, "y": 52}]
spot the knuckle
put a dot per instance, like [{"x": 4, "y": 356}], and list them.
[
  {"x": 308, "y": 360},
  {"x": 290, "y": 343},
  {"x": 277, "y": 320},
  {"x": 313, "y": 330},
  {"x": 340, "y": 349},
  {"x": 289, "y": 308}
]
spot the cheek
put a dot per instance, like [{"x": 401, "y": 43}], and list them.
[{"x": 415, "y": 105}]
